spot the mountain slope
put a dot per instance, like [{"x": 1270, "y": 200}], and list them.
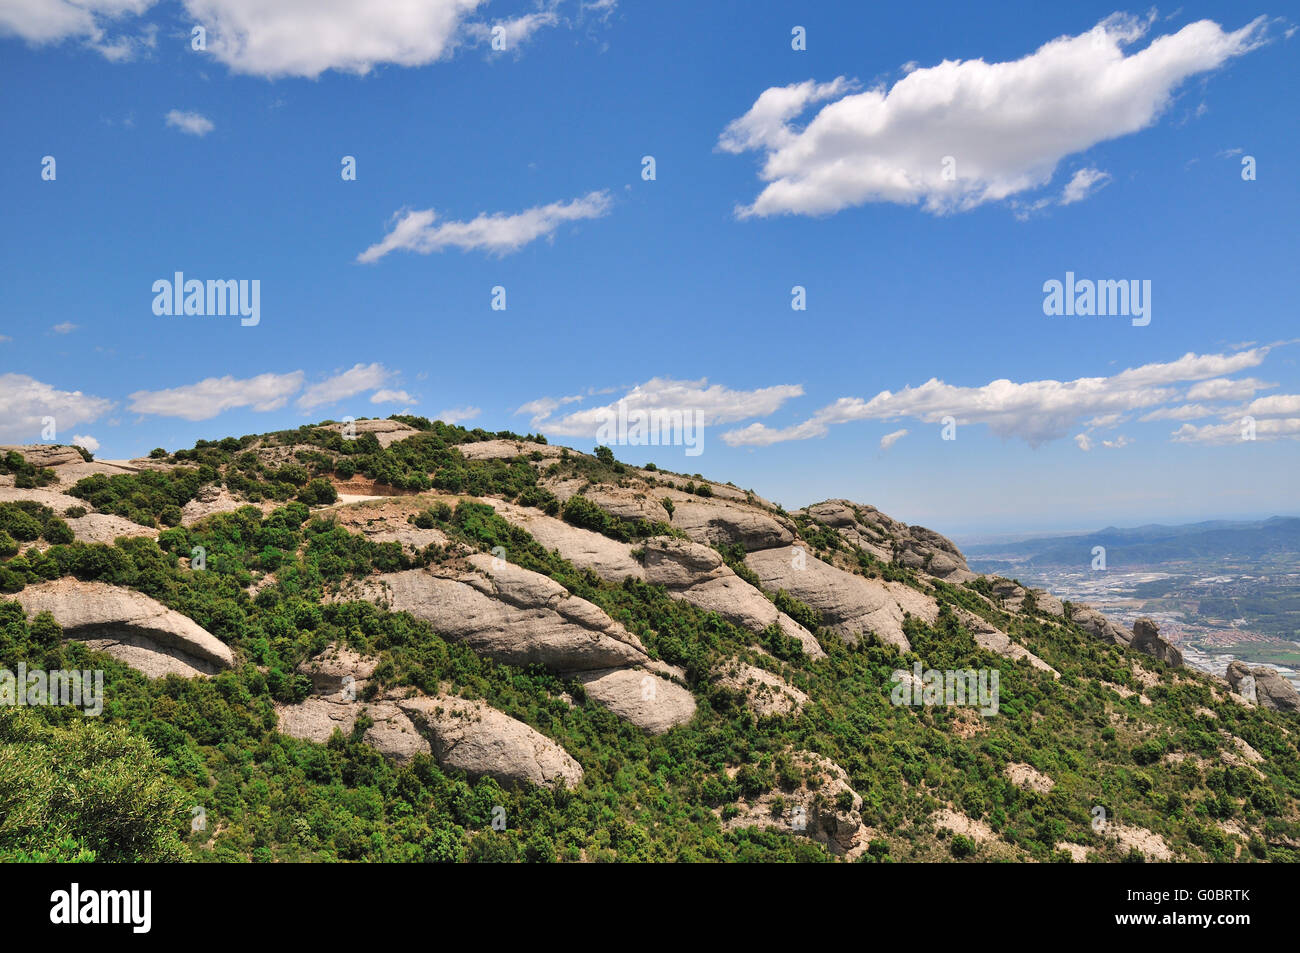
[{"x": 491, "y": 648}]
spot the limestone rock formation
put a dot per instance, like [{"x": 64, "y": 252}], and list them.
[
  {"x": 1146, "y": 638},
  {"x": 129, "y": 626},
  {"x": 648, "y": 701},
  {"x": 512, "y": 615},
  {"x": 104, "y": 528},
  {"x": 823, "y": 807},
  {"x": 1263, "y": 685},
  {"x": 1099, "y": 627},
  {"x": 475, "y": 738},
  {"x": 850, "y": 605},
  {"x": 765, "y": 693},
  {"x": 42, "y": 455},
  {"x": 689, "y": 571}
]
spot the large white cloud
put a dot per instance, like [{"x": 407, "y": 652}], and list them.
[
  {"x": 1034, "y": 411},
  {"x": 356, "y": 380},
  {"x": 1006, "y": 126},
  {"x": 51, "y": 21},
  {"x": 708, "y": 405},
  {"x": 25, "y": 403},
  {"x": 307, "y": 37},
  {"x": 499, "y": 233},
  {"x": 214, "y": 395}
]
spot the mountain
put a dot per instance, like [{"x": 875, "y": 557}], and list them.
[
  {"x": 1152, "y": 545},
  {"x": 400, "y": 640}
]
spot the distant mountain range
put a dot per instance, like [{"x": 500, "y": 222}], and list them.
[{"x": 1150, "y": 545}]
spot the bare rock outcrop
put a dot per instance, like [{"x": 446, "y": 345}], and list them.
[
  {"x": 697, "y": 574},
  {"x": 823, "y": 807},
  {"x": 765, "y": 693},
  {"x": 104, "y": 528},
  {"x": 512, "y": 615},
  {"x": 129, "y": 626},
  {"x": 990, "y": 637},
  {"x": 1099, "y": 627},
  {"x": 850, "y": 605},
  {"x": 892, "y": 541},
  {"x": 704, "y": 520},
  {"x": 610, "y": 559},
  {"x": 41, "y": 455},
  {"x": 387, "y": 432},
  {"x": 467, "y": 735},
  {"x": 476, "y": 738},
  {"x": 507, "y": 449},
  {"x": 648, "y": 701},
  {"x": 1146, "y": 638},
  {"x": 1263, "y": 685}
]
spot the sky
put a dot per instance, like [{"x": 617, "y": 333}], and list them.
[{"x": 825, "y": 232}]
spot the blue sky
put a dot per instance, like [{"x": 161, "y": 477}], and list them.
[{"x": 1099, "y": 140}]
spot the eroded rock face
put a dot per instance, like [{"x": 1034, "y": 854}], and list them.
[
  {"x": 1099, "y": 627},
  {"x": 697, "y": 574},
  {"x": 466, "y": 735},
  {"x": 475, "y": 738},
  {"x": 512, "y": 615},
  {"x": 892, "y": 541},
  {"x": 705, "y": 520},
  {"x": 507, "y": 449},
  {"x": 824, "y": 807},
  {"x": 648, "y": 701},
  {"x": 104, "y": 528},
  {"x": 850, "y": 605},
  {"x": 609, "y": 559},
  {"x": 765, "y": 693},
  {"x": 689, "y": 571},
  {"x": 42, "y": 455},
  {"x": 1146, "y": 638},
  {"x": 129, "y": 626},
  {"x": 990, "y": 637},
  {"x": 1263, "y": 685},
  {"x": 387, "y": 432}
]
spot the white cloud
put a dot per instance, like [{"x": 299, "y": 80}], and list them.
[
  {"x": 66, "y": 327},
  {"x": 1084, "y": 441},
  {"x": 191, "y": 123},
  {"x": 516, "y": 31},
  {"x": 25, "y": 402},
  {"x": 87, "y": 441},
  {"x": 1232, "y": 432},
  {"x": 391, "y": 397},
  {"x": 711, "y": 405},
  {"x": 1084, "y": 183},
  {"x": 1117, "y": 443},
  {"x": 308, "y": 37},
  {"x": 355, "y": 380},
  {"x": 498, "y": 233},
  {"x": 1006, "y": 125},
  {"x": 458, "y": 415},
  {"x": 214, "y": 395},
  {"x": 53, "y": 21},
  {"x": 1225, "y": 388},
  {"x": 1278, "y": 405},
  {"x": 1183, "y": 412},
  {"x": 1034, "y": 411},
  {"x": 889, "y": 439}
]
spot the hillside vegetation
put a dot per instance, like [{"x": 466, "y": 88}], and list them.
[{"x": 759, "y": 649}]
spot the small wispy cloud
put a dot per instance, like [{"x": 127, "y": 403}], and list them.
[
  {"x": 191, "y": 123},
  {"x": 498, "y": 233}
]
